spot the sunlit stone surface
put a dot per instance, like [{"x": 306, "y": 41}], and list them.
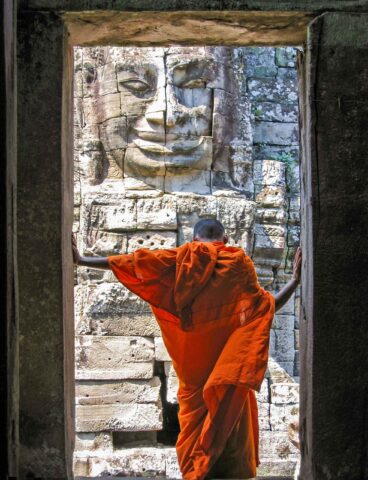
[{"x": 163, "y": 138}]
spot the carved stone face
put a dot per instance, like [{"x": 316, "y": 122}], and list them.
[{"x": 171, "y": 110}]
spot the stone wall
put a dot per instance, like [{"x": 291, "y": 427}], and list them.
[{"x": 164, "y": 137}]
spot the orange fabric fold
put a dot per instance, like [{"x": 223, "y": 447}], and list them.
[{"x": 220, "y": 360}]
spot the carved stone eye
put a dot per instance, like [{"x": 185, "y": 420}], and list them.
[{"x": 136, "y": 85}]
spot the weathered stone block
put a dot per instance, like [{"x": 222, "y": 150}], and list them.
[
  {"x": 95, "y": 352},
  {"x": 264, "y": 416},
  {"x": 138, "y": 416},
  {"x": 293, "y": 236},
  {"x": 293, "y": 177},
  {"x": 86, "y": 137},
  {"x": 282, "y": 416},
  {"x": 276, "y": 133},
  {"x": 114, "y": 164},
  {"x": 268, "y": 172},
  {"x": 283, "y": 322},
  {"x": 288, "y": 368},
  {"x": 296, "y": 339},
  {"x": 272, "y": 90},
  {"x": 285, "y": 73},
  {"x": 157, "y": 213},
  {"x": 271, "y": 215},
  {"x": 263, "y": 396},
  {"x": 277, "y": 374},
  {"x": 265, "y": 272},
  {"x": 235, "y": 212},
  {"x": 113, "y": 357},
  {"x": 172, "y": 465},
  {"x": 276, "y": 152},
  {"x": 286, "y": 56},
  {"x": 275, "y": 112},
  {"x": 172, "y": 384},
  {"x": 283, "y": 350},
  {"x": 130, "y": 462},
  {"x": 241, "y": 238},
  {"x": 260, "y": 62},
  {"x": 222, "y": 129},
  {"x": 273, "y": 197},
  {"x": 140, "y": 324},
  {"x": 284, "y": 393},
  {"x": 106, "y": 81},
  {"x": 169, "y": 369},
  {"x": 112, "y": 392},
  {"x": 122, "y": 440},
  {"x": 121, "y": 217},
  {"x": 294, "y": 210},
  {"x": 276, "y": 444},
  {"x": 99, "y": 109},
  {"x": 92, "y": 166},
  {"x": 268, "y": 250},
  {"x": 104, "y": 244},
  {"x": 93, "y": 443},
  {"x": 80, "y": 466},
  {"x": 113, "y": 133},
  {"x": 109, "y": 193},
  {"x": 201, "y": 206},
  {"x": 270, "y": 467},
  {"x": 161, "y": 353},
  {"x": 113, "y": 300},
  {"x": 189, "y": 181},
  {"x": 275, "y": 244},
  {"x": 151, "y": 240}
]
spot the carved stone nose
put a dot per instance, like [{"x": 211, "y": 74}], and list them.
[{"x": 156, "y": 117}]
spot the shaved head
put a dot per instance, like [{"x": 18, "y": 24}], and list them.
[{"x": 209, "y": 230}]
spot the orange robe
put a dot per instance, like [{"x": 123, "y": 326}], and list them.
[{"x": 215, "y": 321}]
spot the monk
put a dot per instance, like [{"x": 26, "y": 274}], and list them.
[{"x": 215, "y": 321}]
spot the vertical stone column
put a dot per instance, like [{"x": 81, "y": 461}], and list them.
[
  {"x": 334, "y": 330},
  {"x": 44, "y": 254},
  {"x": 9, "y": 325}
]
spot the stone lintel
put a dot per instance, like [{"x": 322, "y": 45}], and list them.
[{"x": 190, "y": 28}]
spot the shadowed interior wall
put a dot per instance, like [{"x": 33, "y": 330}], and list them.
[
  {"x": 45, "y": 263},
  {"x": 8, "y": 274},
  {"x": 345, "y": 141},
  {"x": 334, "y": 401}
]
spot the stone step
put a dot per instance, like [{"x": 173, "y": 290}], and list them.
[{"x": 165, "y": 478}]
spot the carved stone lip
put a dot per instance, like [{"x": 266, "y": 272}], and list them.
[
  {"x": 170, "y": 148},
  {"x": 158, "y": 137}
]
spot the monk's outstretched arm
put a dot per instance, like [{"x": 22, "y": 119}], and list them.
[
  {"x": 91, "y": 262},
  {"x": 284, "y": 294}
]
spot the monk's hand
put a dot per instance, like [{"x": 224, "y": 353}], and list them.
[
  {"x": 297, "y": 265},
  {"x": 76, "y": 254}
]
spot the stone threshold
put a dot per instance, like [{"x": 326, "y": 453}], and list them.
[{"x": 167, "y": 478}]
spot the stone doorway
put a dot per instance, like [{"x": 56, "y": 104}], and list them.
[
  {"x": 164, "y": 137},
  {"x": 334, "y": 334}
]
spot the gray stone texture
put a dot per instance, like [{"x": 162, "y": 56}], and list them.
[
  {"x": 45, "y": 290},
  {"x": 163, "y": 138},
  {"x": 334, "y": 233}
]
